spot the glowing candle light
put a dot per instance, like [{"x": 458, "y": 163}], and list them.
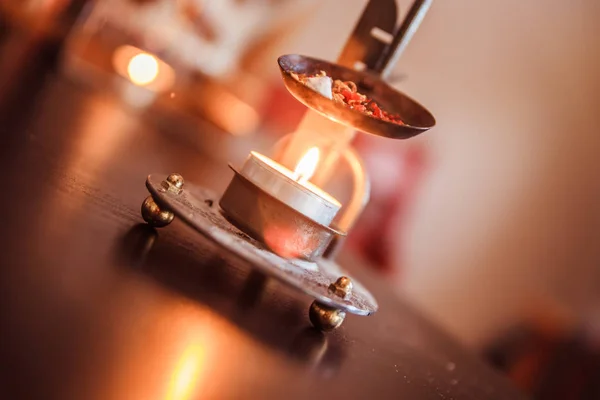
[
  {"x": 307, "y": 165},
  {"x": 147, "y": 75},
  {"x": 142, "y": 69},
  {"x": 293, "y": 188}
]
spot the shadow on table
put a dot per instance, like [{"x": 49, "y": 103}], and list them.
[{"x": 265, "y": 309}]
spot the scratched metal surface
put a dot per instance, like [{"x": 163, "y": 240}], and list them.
[{"x": 199, "y": 208}]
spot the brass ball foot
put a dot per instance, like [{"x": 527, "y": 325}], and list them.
[
  {"x": 325, "y": 318},
  {"x": 154, "y": 216}
]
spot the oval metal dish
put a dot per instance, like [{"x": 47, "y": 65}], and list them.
[{"x": 417, "y": 118}]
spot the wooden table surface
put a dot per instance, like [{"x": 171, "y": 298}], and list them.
[{"x": 96, "y": 305}]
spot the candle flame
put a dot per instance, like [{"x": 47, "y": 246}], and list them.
[
  {"x": 307, "y": 165},
  {"x": 142, "y": 69}
]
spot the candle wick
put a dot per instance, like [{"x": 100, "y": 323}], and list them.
[{"x": 300, "y": 178}]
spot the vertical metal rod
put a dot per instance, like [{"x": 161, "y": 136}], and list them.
[{"x": 407, "y": 29}]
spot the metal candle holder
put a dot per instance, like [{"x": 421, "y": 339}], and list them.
[{"x": 281, "y": 227}]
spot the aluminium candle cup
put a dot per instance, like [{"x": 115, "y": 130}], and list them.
[
  {"x": 281, "y": 227},
  {"x": 281, "y": 183}
]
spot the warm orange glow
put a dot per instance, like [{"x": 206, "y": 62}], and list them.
[
  {"x": 231, "y": 113},
  {"x": 186, "y": 373},
  {"x": 307, "y": 165},
  {"x": 142, "y": 69}
]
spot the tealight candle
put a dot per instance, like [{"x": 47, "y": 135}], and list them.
[
  {"x": 293, "y": 188},
  {"x": 281, "y": 208}
]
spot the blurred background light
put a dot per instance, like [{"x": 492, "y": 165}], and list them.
[{"x": 142, "y": 69}]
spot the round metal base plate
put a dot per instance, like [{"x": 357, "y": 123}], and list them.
[{"x": 198, "y": 207}]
